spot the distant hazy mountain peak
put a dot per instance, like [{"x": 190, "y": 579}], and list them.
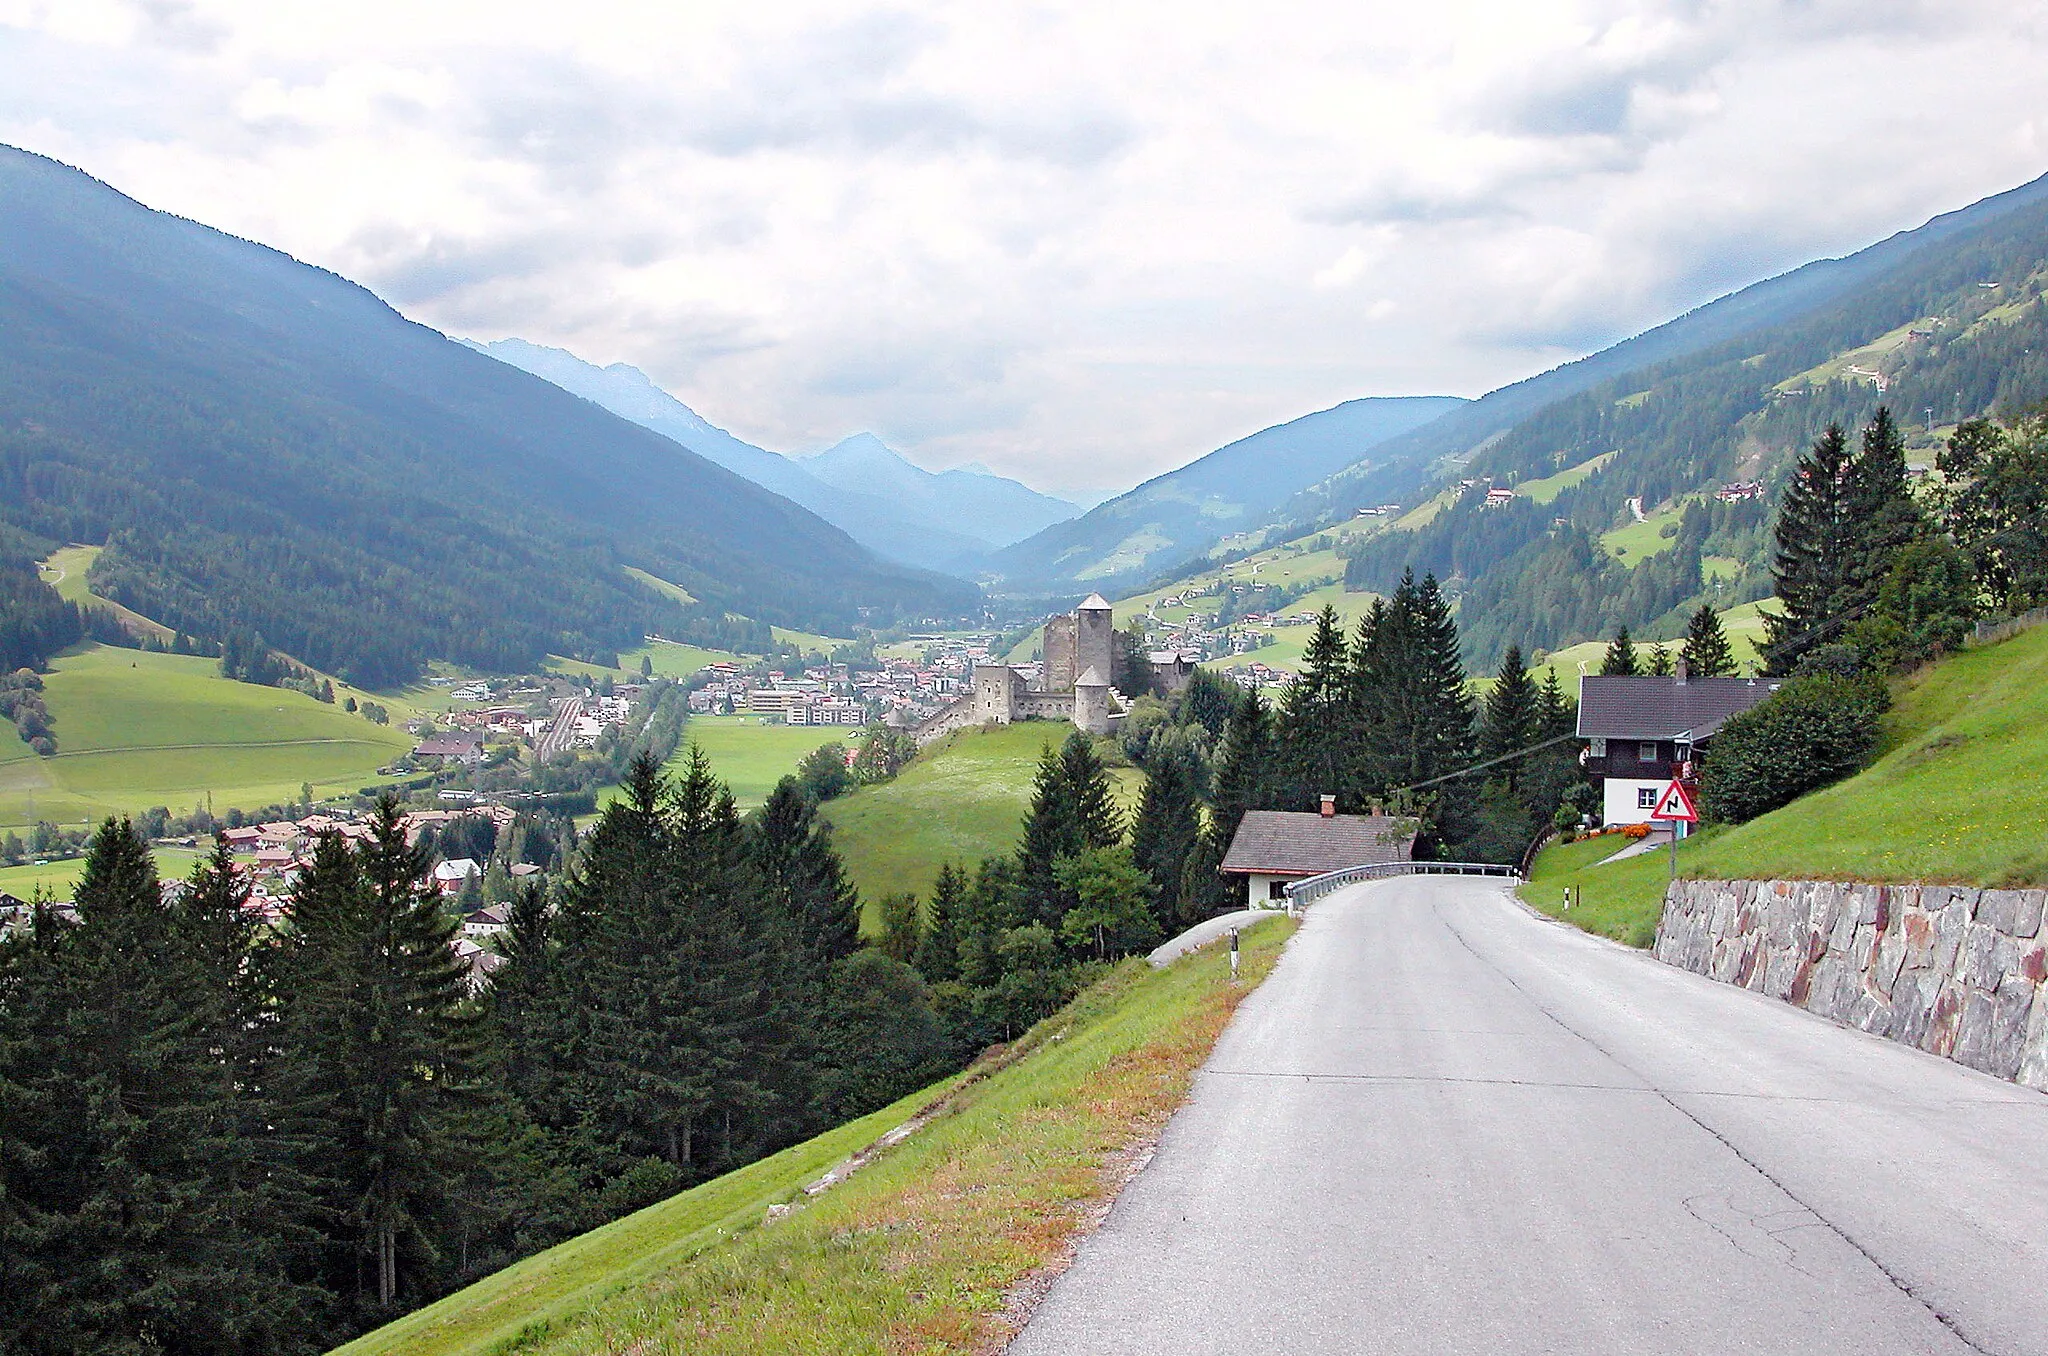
[{"x": 860, "y": 483}]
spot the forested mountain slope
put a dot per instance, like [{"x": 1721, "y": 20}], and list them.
[
  {"x": 1406, "y": 464},
  {"x": 266, "y": 447},
  {"x": 941, "y": 521},
  {"x": 1953, "y": 329},
  {"x": 1176, "y": 517}
]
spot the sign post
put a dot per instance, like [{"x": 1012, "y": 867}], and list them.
[{"x": 1675, "y": 806}]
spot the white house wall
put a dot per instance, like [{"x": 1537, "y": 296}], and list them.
[{"x": 1621, "y": 800}]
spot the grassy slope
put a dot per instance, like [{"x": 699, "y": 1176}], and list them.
[
  {"x": 1957, "y": 797},
  {"x": 1743, "y": 625},
  {"x": 136, "y": 730},
  {"x": 913, "y": 1254},
  {"x": 961, "y": 799},
  {"x": 59, "y": 879},
  {"x": 65, "y": 572},
  {"x": 750, "y": 754},
  {"x": 1550, "y": 487}
]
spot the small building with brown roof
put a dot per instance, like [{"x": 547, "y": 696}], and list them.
[{"x": 1273, "y": 847}]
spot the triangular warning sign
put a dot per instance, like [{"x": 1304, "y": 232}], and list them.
[{"x": 1674, "y": 803}]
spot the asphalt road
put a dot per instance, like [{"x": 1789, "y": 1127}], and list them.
[{"x": 1446, "y": 1126}]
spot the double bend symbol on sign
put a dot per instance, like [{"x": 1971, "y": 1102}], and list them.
[{"x": 1675, "y": 804}]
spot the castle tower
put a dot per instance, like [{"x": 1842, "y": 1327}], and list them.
[
  {"x": 1094, "y": 639},
  {"x": 1091, "y": 702},
  {"x": 1059, "y": 670}
]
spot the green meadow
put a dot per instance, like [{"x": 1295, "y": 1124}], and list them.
[
  {"x": 57, "y": 880},
  {"x": 960, "y": 800},
  {"x": 136, "y": 730},
  {"x": 752, "y": 753}
]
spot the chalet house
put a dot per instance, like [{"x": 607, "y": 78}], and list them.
[
  {"x": 1274, "y": 847},
  {"x": 488, "y": 921},
  {"x": 244, "y": 839},
  {"x": 459, "y": 746},
  {"x": 278, "y": 835},
  {"x": 1641, "y": 733}
]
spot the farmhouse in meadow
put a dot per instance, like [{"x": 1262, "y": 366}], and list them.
[
  {"x": 1274, "y": 847},
  {"x": 1641, "y": 733}
]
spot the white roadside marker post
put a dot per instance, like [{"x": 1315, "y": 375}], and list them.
[{"x": 1233, "y": 955}]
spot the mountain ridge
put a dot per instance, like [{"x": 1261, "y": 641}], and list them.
[
  {"x": 1178, "y": 514},
  {"x": 937, "y": 520},
  {"x": 264, "y": 446}
]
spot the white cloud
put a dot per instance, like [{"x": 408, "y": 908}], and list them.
[{"x": 1079, "y": 243}]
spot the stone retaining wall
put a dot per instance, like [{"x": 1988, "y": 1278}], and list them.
[{"x": 1950, "y": 970}]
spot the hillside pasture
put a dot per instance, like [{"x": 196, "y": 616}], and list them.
[
  {"x": 135, "y": 730},
  {"x": 961, "y": 799},
  {"x": 751, "y": 753}
]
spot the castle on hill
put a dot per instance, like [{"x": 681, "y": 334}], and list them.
[{"x": 1071, "y": 683}]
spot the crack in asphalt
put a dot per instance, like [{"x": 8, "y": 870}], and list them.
[
  {"x": 1899, "y": 1283},
  {"x": 1505, "y": 1082}
]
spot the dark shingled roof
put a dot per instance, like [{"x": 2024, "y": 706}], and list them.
[
  {"x": 1294, "y": 843},
  {"x": 1663, "y": 708}
]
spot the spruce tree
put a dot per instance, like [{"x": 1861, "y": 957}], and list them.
[
  {"x": 1707, "y": 653},
  {"x": 1882, "y": 507},
  {"x": 938, "y": 949},
  {"x": 1620, "y": 660},
  {"x": 379, "y": 1054},
  {"x": 1660, "y": 662},
  {"x": 1314, "y": 724},
  {"x": 1051, "y": 832},
  {"x": 1512, "y": 716},
  {"x": 1168, "y": 823},
  {"x": 1813, "y": 564},
  {"x": 1244, "y": 767},
  {"x": 1097, "y": 819},
  {"x": 1557, "y": 713},
  {"x": 1423, "y": 718},
  {"x": 791, "y": 851}
]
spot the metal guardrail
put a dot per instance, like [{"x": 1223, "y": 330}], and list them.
[{"x": 1315, "y": 887}]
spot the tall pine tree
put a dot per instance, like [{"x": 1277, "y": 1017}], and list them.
[
  {"x": 1165, "y": 832},
  {"x": 379, "y": 1055},
  {"x": 1620, "y": 660},
  {"x": 1513, "y": 715},
  {"x": 1707, "y": 653},
  {"x": 1816, "y": 538},
  {"x": 1316, "y": 721}
]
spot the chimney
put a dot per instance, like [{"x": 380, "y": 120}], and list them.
[
  {"x": 1329, "y": 807},
  {"x": 1678, "y": 670}
]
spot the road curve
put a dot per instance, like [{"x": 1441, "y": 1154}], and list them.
[{"x": 1444, "y": 1125}]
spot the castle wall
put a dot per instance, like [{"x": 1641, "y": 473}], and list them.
[
  {"x": 1060, "y": 668},
  {"x": 996, "y": 689}
]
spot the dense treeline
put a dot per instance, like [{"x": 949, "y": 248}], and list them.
[{"x": 215, "y": 1141}]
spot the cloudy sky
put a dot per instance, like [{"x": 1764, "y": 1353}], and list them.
[{"x": 1079, "y": 243}]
